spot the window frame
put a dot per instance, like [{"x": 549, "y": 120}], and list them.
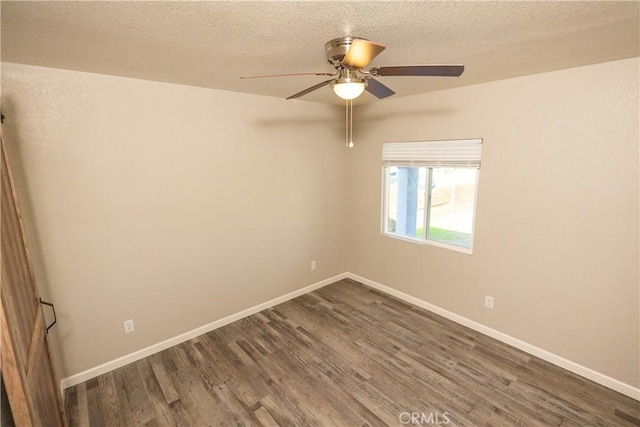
[{"x": 424, "y": 240}]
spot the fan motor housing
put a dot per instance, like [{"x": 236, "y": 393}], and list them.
[{"x": 336, "y": 49}]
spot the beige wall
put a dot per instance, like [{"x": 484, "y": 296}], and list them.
[
  {"x": 177, "y": 206},
  {"x": 556, "y": 238},
  {"x": 174, "y": 206}
]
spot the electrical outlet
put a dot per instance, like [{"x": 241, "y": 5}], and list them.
[
  {"x": 313, "y": 265},
  {"x": 128, "y": 326},
  {"x": 488, "y": 302}
]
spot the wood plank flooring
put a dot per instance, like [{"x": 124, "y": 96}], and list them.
[{"x": 345, "y": 355}]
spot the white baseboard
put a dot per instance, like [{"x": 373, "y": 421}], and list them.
[
  {"x": 576, "y": 368},
  {"x": 155, "y": 348}
]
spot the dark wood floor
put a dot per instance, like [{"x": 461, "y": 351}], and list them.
[{"x": 345, "y": 355}]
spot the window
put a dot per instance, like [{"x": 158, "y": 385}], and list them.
[{"x": 430, "y": 191}]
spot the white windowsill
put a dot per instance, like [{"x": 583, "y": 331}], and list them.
[{"x": 429, "y": 242}]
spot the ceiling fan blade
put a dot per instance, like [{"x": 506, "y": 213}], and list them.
[
  {"x": 377, "y": 89},
  {"x": 288, "y": 75},
  {"x": 310, "y": 89},
  {"x": 361, "y": 52},
  {"x": 419, "y": 70}
]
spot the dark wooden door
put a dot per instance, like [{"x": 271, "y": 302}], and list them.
[{"x": 33, "y": 394}]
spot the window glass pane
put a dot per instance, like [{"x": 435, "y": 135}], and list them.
[
  {"x": 452, "y": 200},
  {"x": 406, "y": 201}
]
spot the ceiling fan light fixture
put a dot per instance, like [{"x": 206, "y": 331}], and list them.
[{"x": 348, "y": 88}]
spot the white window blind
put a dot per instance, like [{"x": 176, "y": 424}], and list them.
[{"x": 450, "y": 153}]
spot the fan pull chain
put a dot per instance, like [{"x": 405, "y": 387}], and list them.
[
  {"x": 346, "y": 123},
  {"x": 349, "y": 122}
]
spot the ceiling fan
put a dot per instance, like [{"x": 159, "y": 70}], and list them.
[{"x": 349, "y": 56}]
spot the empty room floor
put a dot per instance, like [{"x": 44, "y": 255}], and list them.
[{"x": 345, "y": 355}]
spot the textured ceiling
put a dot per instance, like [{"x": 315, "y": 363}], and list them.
[{"x": 211, "y": 44}]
